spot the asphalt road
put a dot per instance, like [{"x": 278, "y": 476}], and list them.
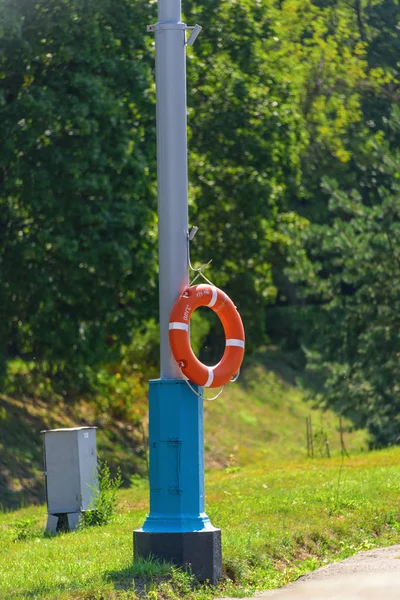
[{"x": 371, "y": 575}]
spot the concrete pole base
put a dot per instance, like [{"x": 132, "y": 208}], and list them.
[{"x": 197, "y": 551}]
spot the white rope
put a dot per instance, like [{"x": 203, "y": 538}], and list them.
[
  {"x": 199, "y": 271},
  {"x": 235, "y": 377},
  {"x": 197, "y": 394}
]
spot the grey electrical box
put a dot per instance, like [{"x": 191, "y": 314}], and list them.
[{"x": 70, "y": 468}]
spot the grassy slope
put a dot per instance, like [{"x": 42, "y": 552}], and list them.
[
  {"x": 281, "y": 514},
  {"x": 263, "y": 415},
  {"x": 21, "y": 453},
  {"x": 278, "y": 521}
]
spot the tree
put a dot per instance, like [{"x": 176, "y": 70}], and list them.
[
  {"x": 348, "y": 275},
  {"x": 271, "y": 94},
  {"x": 77, "y": 167}
]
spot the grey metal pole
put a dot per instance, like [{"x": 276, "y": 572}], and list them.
[
  {"x": 177, "y": 528},
  {"x": 172, "y": 169}
]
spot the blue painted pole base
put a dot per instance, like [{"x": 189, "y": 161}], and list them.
[{"x": 176, "y": 440}]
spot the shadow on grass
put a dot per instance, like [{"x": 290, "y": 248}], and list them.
[
  {"x": 21, "y": 446},
  {"x": 46, "y": 592},
  {"x": 287, "y": 365},
  {"x": 140, "y": 575},
  {"x": 21, "y": 456}
]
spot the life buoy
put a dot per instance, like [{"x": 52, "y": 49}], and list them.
[{"x": 192, "y": 368}]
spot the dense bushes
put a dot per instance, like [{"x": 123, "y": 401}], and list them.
[{"x": 281, "y": 95}]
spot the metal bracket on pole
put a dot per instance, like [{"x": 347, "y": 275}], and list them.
[
  {"x": 193, "y": 36},
  {"x": 167, "y": 25},
  {"x": 195, "y": 30},
  {"x": 192, "y": 232},
  {"x": 190, "y": 237}
]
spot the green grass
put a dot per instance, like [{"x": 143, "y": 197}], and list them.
[
  {"x": 260, "y": 417},
  {"x": 280, "y": 514},
  {"x": 264, "y": 416},
  {"x": 278, "y": 520}
]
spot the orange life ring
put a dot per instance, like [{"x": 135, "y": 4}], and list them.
[{"x": 192, "y": 368}]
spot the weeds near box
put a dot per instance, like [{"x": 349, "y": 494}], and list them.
[
  {"x": 24, "y": 530},
  {"x": 104, "y": 504}
]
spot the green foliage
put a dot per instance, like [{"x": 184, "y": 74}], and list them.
[
  {"x": 274, "y": 87},
  {"x": 76, "y": 173},
  {"x": 281, "y": 96},
  {"x": 104, "y": 505},
  {"x": 348, "y": 271},
  {"x": 136, "y": 480},
  {"x": 237, "y": 106},
  {"x": 24, "y": 529}
]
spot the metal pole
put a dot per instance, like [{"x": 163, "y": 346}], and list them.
[
  {"x": 177, "y": 528},
  {"x": 172, "y": 169}
]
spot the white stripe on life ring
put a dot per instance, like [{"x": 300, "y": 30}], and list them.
[
  {"x": 179, "y": 325},
  {"x": 210, "y": 377},
  {"x": 213, "y": 297},
  {"x": 233, "y": 342}
]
